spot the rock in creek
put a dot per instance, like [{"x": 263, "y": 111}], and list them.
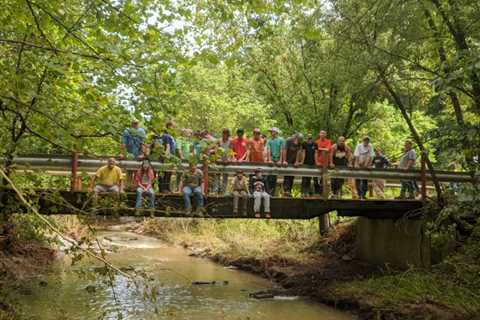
[
  {"x": 200, "y": 283},
  {"x": 271, "y": 294}
]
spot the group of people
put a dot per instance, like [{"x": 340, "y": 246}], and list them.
[{"x": 194, "y": 147}]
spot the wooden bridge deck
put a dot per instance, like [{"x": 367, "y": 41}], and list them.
[{"x": 171, "y": 205}]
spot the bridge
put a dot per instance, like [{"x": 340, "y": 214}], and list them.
[{"x": 379, "y": 238}]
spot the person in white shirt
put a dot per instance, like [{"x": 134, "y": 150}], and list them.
[{"x": 363, "y": 155}]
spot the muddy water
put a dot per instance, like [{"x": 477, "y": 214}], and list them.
[{"x": 67, "y": 294}]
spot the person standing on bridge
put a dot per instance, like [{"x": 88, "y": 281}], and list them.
[
  {"x": 307, "y": 157},
  {"x": 379, "y": 162},
  {"x": 144, "y": 178},
  {"x": 224, "y": 146},
  {"x": 133, "y": 141},
  {"x": 276, "y": 155},
  {"x": 192, "y": 184},
  {"x": 259, "y": 187},
  {"x": 133, "y": 146},
  {"x": 293, "y": 153},
  {"x": 240, "y": 147},
  {"x": 240, "y": 192},
  {"x": 256, "y": 147},
  {"x": 407, "y": 162},
  {"x": 322, "y": 154},
  {"x": 340, "y": 157},
  {"x": 364, "y": 155},
  {"x": 107, "y": 179},
  {"x": 165, "y": 143}
]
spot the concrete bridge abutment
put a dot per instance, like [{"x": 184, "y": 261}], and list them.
[{"x": 396, "y": 242}]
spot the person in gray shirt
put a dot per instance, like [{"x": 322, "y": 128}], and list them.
[{"x": 407, "y": 162}]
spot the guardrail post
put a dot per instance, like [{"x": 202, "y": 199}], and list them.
[
  {"x": 423, "y": 175},
  {"x": 323, "y": 219},
  {"x": 75, "y": 182},
  {"x": 205, "y": 177}
]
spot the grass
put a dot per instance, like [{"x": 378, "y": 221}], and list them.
[
  {"x": 240, "y": 238},
  {"x": 415, "y": 286}
]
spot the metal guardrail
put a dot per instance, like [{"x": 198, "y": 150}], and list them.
[{"x": 90, "y": 165}]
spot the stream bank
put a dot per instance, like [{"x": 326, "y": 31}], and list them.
[{"x": 326, "y": 271}]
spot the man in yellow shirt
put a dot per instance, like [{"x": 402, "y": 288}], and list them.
[{"x": 107, "y": 179}]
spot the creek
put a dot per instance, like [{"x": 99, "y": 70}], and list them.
[{"x": 67, "y": 292}]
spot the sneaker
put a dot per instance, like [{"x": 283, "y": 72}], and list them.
[
  {"x": 188, "y": 211},
  {"x": 257, "y": 214},
  {"x": 268, "y": 215}
]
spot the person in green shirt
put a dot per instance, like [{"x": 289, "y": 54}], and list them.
[
  {"x": 275, "y": 154},
  {"x": 184, "y": 150}
]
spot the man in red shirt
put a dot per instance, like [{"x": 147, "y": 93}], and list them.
[
  {"x": 324, "y": 146},
  {"x": 322, "y": 154},
  {"x": 256, "y": 147},
  {"x": 240, "y": 146}
]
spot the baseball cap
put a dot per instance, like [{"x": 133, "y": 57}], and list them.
[{"x": 274, "y": 129}]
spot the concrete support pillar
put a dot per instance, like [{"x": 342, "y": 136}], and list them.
[{"x": 400, "y": 243}]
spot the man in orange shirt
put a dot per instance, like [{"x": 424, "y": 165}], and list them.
[
  {"x": 256, "y": 146},
  {"x": 322, "y": 154}
]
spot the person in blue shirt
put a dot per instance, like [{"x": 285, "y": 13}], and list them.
[{"x": 132, "y": 140}]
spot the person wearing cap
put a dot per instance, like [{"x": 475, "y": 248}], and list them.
[
  {"x": 322, "y": 154},
  {"x": 240, "y": 191},
  {"x": 256, "y": 147},
  {"x": 240, "y": 146},
  {"x": 293, "y": 147},
  {"x": 275, "y": 154},
  {"x": 259, "y": 187},
  {"x": 132, "y": 140},
  {"x": 363, "y": 158}
]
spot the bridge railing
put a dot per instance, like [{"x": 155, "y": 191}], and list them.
[{"x": 77, "y": 163}]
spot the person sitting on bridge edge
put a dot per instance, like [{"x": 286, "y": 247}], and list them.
[
  {"x": 240, "y": 192},
  {"x": 341, "y": 156},
  {"x": 364, "y": 155},
  {"x": 259, "y": 187},
  {"x": 192, "y": 184},
  {"x": 407, "y": 162},
  {"x": 144, "y": 178},
  {"x": 379, "y": 162},
  {"x": 108, "y": 178},
  {"x": 275, "y": 154},
  {"x": 293, "y": 152},
  {"x": 133, "y": 141},
  {"x": 322, "y": 153}
]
